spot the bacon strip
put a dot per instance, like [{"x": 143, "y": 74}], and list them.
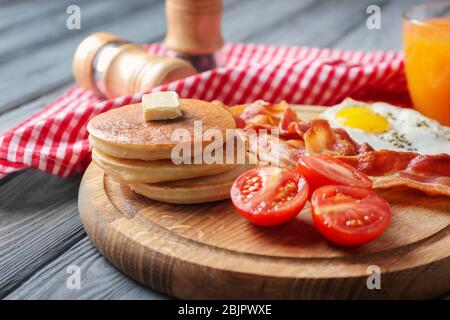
[
  {"x": 429, "y": 173},
  {"x": 240, "y": 123},
  {"x": 290, "y": 127},
  {"x": 260, "y": 107},
  {"x": 321, "y": 138},
  {"x": 273, "y": 151},
  {"x": 317, "y": 135}
]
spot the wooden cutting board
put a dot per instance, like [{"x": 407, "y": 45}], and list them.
[{"x": 208, "y": 251}]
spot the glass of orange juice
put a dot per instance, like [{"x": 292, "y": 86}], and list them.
[{"x": 426, "y": 34}]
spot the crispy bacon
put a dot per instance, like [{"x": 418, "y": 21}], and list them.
[
  {"x": 316, "y": 136},
  {"x": 383, "y": 162},
  {"x": 260, "y": 107},
  {"x": 253, "y": 110},
  {"x": 289, "y": 117},
  {"x": 240, "y": 123},
  {"x": 264, "y": 119},
  {"x": 271, "y": 150},
  {"x": 290, "y": 127},
  {"x": 264, "y": 128},
  {"x": 321, "y": 138},
  {"x": 429, "y": 173}
]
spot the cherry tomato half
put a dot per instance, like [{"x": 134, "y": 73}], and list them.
[
  {"x": 269, "y": 196},
  {"x": 349, "y": 216},
  {"x": 320, "y": 170}
]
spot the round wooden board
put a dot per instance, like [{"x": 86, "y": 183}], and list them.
[{"x": 208, "y": 251}]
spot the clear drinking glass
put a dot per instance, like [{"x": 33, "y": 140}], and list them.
[{"x": 426, "y": 34}]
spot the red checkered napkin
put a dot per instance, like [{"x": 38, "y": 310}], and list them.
[{"x": 55, "y": 139}]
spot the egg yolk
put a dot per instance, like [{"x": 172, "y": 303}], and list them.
[{"x": 363, "y": 118}]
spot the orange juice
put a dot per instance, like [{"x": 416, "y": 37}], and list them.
[{"x": 427, "y": 63}]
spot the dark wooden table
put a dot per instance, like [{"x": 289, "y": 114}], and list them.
[{"x": 40, "y": 230}]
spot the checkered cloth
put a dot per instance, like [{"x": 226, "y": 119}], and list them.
[{"x": 55, "y": 139}]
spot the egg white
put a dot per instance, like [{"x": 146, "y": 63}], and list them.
[{"x": 410, "y": 130}]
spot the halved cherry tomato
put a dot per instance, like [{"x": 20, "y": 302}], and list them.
[
  {"x": 349, "y": 216},
  {"x": 270, "y": 195},
  {"x": 320, "y": 170}
]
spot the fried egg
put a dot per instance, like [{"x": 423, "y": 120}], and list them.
[{"x": 385, "y": 126}]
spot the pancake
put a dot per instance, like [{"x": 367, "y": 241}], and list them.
[
  {"x": 140, "y": 171},
  {"x": 123, "y": 133},
  {"x": 199, "y": 190}
]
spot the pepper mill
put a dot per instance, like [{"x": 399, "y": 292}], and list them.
[
  {"x": 194, "y": 30},
  {"x": 114, "y": 67}
]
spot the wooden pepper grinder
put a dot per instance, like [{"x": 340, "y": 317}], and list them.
[
  {"x": 194, "y": 30},
  {"x": 113, "y": 67}
]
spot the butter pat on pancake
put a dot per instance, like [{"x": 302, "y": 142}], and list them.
[
  {"x": 124, "y": 133},
  {"x": 161, "y": 106},
  {"x": 140, "y": 171},
  {"x": 199, "y": 190}
]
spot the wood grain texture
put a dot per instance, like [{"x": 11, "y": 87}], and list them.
[
  {"x": 11, "y": 118},
  {"x": 38, "y": 220},
  {"x": 42, "y": 56},
  {"x": 99, "y": 279},
  {"x": 320, "y": 23},
  {"x": 209, "y": 251},
  {"x": 255, "y": 21},
  {"x": 388, "y": 37},
  {"x": 49, "y": 66}
]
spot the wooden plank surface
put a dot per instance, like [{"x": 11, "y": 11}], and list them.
[
  {"x": 40, "y": 230},
  {"x": 52, "y": 44},
  {"x": 388, "y": 37},
  {"x": 39, "y": 221},
  {"x": 100, "y": 280}
]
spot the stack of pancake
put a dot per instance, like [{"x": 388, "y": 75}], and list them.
[{"x": 139, "y": 153}]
